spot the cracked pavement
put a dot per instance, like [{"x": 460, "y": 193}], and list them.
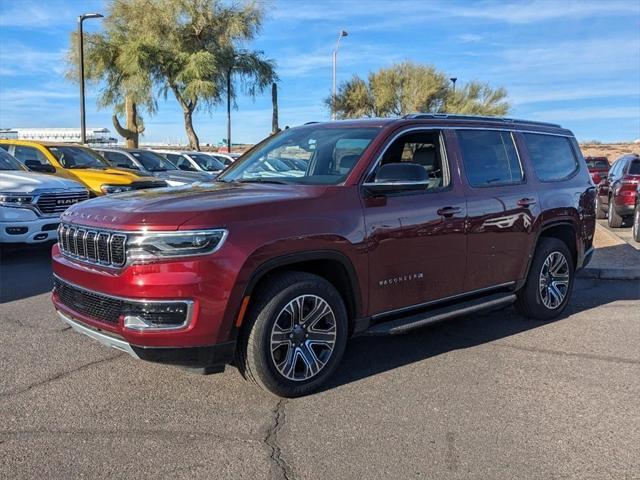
[{"x": 486, "y": 396}]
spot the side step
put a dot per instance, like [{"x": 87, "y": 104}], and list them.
[{"x": 404, "y": 324}]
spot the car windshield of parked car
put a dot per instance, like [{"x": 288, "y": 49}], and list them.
[
  {"x": 597, "y": 164},
  {"x": 153, "y": 162},
  {"x": 311, "y": 155},
  {"x": 78, "y": 157},
  {"x": 8, "y": 162},
  {"x": 207, "y": 162}
]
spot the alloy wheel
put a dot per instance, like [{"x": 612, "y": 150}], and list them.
[
  {"x": 554, "y": 280},
  {"x": 303, "y": 337}
]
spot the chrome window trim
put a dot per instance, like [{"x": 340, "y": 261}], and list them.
[
  {"x": 188, "y": 314},
  {"x": 442, "y": 128}
]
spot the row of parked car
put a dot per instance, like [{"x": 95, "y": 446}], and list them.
[
  {"x": 618, "y": 190},
  {"x": 40, "y": 180}
]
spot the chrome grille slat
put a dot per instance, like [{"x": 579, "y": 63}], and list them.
[{"x": 93, "y": 246}]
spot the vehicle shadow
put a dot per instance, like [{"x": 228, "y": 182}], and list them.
[
  {"x": 367, "y": 356},
  {"x": 25, "y": 271}
]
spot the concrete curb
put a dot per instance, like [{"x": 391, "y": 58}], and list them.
[{"x": 609, "y": 273}]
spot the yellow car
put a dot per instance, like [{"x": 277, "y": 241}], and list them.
[{"x": 77, "y": 163}]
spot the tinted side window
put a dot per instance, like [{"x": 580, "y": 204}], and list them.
[
  {"x": 29, "y": 154},
  {"x": 634, "y": 167},
  {"x": 552, "y": 157},
  {"x": 490, "y": 158}
]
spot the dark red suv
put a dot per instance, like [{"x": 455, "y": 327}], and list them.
[
  {"x": 616, "y": 196},
  {"x": 598, "y": 168},
  {"x": 374, "y": 227}
]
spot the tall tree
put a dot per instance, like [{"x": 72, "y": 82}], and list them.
[
  {"x": 192, "y": 48},
  {"x": 112, "y": 62},
  {"x": 407, "y": 87}
]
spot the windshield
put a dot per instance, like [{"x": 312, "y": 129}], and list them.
[
  {"x": 153, "y": 162},
  {"x": 78, "y": 157},
  {"x": 597, "y": 163},
  {"x": 207, "y": 162},
  {"x": 307, "y": 155},
  {"x": 8, "y": 162}
]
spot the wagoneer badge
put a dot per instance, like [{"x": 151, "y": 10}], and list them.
[{"x": 397, "y": 280}]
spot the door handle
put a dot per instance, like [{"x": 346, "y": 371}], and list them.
[
  {"x": 448, "y": 211},
  {"x": 525, "y": 202}
]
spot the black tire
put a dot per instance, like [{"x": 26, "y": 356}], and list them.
[
  {"x": 615, "y": 220},
  {"x": 530, "y": 301},
  {"x": 254, "y": 357},
  {"x": 601, "y": 213},
  {"x": 636, "y": 224}
]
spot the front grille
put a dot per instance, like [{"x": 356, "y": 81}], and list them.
[
  {"x": 56, "y": 203},
  {"x": 93, "y": 246},
  {"x": 90, "y": 304}
]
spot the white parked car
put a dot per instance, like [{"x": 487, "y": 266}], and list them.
[
  {"x": 31, "y": 203},
  {"x": 224, "y": 158},
  {"x": 193, "y": 161}
]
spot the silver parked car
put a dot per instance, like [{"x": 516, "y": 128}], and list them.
[
  {"x": 193, "y": 161},
  {"x": 151, "y": 163}
]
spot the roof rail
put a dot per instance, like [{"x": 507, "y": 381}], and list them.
[
  {"x": 479, "y": 118},
  {"x": 310, "y": 123}
]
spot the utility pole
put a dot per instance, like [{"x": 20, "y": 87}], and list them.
[
  {"x": 82, "y": 18},
  {"x": 274, "y": 103}
]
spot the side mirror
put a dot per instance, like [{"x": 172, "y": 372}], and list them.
[
  {"x": 36, "y": 166},
  {"x": 398, "y": 177}
]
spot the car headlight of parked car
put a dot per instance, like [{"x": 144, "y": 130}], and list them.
[
  {"x": 150, "y": 246},
  {"x": 107, "y": 189},
  {"x": 14, "y": 199}
]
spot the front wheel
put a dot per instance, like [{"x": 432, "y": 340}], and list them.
[
  {"x": 295, "y": 335},
  {"x": 547, "y": 289},
  {"x": 636, "y": 224}
]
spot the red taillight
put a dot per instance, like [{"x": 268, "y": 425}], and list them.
[{"x": 596, "y": 178}]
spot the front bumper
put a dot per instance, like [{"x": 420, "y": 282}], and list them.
[
  {"x": 191, "y": 357},
  {"x": 34, "y": 231}
]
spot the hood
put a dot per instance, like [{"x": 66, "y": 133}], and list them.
[
  {"x": 180, "y": 177},
  {"x": 168, "y": 208},
  {"x": 26, "y": 182},
  {"x": 107, "y": 176}
]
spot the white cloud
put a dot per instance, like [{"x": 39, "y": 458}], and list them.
[
  {"x": 29, "y": 14},
  {"x": 17, "y": 59},
  {"x": 470, "y": 38}
]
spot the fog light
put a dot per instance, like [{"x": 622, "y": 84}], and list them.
[
  {"x": 16, "y": 230},
  {"x": 156, "y": 315},
  {"x": 40, "y": 236}
]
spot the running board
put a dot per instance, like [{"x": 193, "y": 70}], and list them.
[{"x": 404, "y": 324}]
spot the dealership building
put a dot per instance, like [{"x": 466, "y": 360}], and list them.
[{"x": 59, "y": 135}]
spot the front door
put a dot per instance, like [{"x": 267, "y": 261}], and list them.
[{"x": 416, "y": 239}]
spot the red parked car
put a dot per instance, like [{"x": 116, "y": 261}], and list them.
[
  {"x": 380, "y": 226},
  {"x": 616, "y": 196},
  {"x": 598, "y": 168}
]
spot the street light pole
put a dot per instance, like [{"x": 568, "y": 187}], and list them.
[
  {"x": 82, "y": 18},
  {"x": 229, "y": 110},
  {"x": 343, "y": 33},
  {"x": 453, "y": 80}
]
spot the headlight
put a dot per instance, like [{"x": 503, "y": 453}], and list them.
[
  {"x": 150, "y": 246},
  {"x": 14, "y": 199},
  {"x": 107, "y": 189}
]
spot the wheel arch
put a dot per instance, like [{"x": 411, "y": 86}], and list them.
[{"x": 333, "y": 266}]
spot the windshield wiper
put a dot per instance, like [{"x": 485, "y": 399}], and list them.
[{"x": 261, "y": 180}]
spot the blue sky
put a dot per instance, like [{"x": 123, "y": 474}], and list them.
[{"x": 575, "y": 63}]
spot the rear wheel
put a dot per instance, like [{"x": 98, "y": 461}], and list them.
[
  {"x": 547, "y": 289},
  {"x": 636, "y": 224},
  {"x": 600, "y": 211},
  {"x": 295, "y": 335},
  {"x": 615, "y": 220}
]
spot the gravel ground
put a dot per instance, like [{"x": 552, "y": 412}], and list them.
[{"x": 486, "y": 396}]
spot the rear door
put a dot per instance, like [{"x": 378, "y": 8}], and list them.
[
  {"x": 416, "y": 239},
  {"x": 501, "y": 208}
]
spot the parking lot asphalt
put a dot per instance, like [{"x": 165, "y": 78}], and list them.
[{"x": 491, "y": 396}]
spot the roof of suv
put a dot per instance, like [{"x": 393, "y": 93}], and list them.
[{"x": 454, "y": 120}]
